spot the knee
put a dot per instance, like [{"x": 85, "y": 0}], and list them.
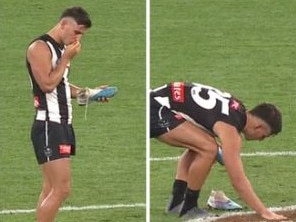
[
  {"x": 63, "y": 191},
  {"x": 46, "y": 189},
  {"x": 211, "y": 151},
  {"x": 66, "y": 191}
]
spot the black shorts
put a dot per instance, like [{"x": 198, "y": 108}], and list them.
[
  {"x": 162, "y": 119},
  {"x": 52, "y": 140}
]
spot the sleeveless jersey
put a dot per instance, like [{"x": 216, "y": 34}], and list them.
[
  {"x": 56, "y": 105},
  {"x": 201, "y": 104}
]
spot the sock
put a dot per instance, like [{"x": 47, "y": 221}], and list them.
[
  {"x": 190, "y": 201},
  {"x": 179, "y": 188}
]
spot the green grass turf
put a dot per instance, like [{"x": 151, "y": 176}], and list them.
[
  {"x": 246, "y": 48},
  {"x": 109, "y": 167}
]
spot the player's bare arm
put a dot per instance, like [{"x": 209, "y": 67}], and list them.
[
  {"x": 39, "y": 57},
  {"x": 231, "y": 145},
  {"x": 74, "y": 90}
]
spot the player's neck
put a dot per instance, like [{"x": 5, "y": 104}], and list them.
[
  {"x": 250, "y": 122},
  {"x": 55, "y": 34}
]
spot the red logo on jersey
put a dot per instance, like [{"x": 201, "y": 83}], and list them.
[
  {"x": 234, "y": 105},
  {"x": 178, "y": 117},
  {"x": 36, "y": 101},
  {"x": 65, "y": 149},
  {"x": 178, "y": 92}
]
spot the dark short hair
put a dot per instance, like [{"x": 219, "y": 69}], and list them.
[
  {"x": 78, "y": 14},
  {"x": 270, "y": 114}
]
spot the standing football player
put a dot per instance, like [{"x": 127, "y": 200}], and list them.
[
  {"x": 193, "y": 116},
  {"x": 52, "y": 134}
]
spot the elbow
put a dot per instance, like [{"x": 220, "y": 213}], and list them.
[{"x": 47, "y": 88}]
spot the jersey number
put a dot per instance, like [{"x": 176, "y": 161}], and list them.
[{"x": 213, "y": 95}]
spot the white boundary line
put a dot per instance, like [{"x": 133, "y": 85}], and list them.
[
  {"x": 227, "y": 215},
  {"x": 143, "y": 205},
  {"x": 73, "y": 208},
  {"x": 267, "y": 154}
]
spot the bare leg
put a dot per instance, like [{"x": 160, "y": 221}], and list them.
[
  {"x": 195, "y": 164},
  {"x": 184, "y": 163},
  {"x": 58, "y": 175},
  {"x": 46, "y": 188}
]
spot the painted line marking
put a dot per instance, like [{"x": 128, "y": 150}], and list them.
[
  {"x": 267, "y": 154},
  {"x": 73, "y": 208},
  {"x": 143, "y": 205},
  {"x": 227, "y": 215}
]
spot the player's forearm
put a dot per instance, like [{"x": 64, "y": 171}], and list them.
[
  {"x": 246, "y": 192},
  {"x": 234, "y": 167},
  {"x": 56, "y": 75},
  {"x": 74, "y": 90}
]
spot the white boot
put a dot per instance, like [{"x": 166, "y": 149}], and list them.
[{"x": 218, "y": 200}]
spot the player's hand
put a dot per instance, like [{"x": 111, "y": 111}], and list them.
[
  {"x": 99, "y": 94},
  {"x": 273, "y": 216},
  {"x": 72, "y": 49}
]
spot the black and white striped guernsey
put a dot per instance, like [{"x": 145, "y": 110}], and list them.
[{"x": 56, "y": 105}]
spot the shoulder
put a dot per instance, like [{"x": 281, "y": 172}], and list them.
[
  {"x": 225, "y": 130},
  {"x": 38, "y": 48}
]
